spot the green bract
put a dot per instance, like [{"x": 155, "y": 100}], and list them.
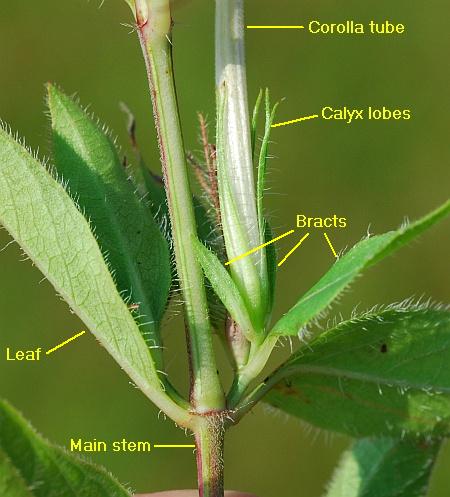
[
  {"x": 362, "y": 255},
  {"x": 225, "y": 288}
]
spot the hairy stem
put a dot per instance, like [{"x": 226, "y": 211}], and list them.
[
  {"x": 209, "y": 440},
  {"x": 250, "y": 371},
  {"x": 154, "y": 27}
]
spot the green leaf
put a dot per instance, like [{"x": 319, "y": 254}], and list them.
[
  {"x": 31, "y": 467},
  {"x": 385, "y": 467},
  {"x": 87, "y": 160},
  {"x": 346, "y": 269},
  {"x": 383, "y": 374},
  {"x": 225, "y": 288},
  {"x": 37, "y": 211},
  {"x": 11, "y": 483}
]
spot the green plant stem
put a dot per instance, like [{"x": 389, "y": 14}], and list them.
[
  {"x": 209, "y": 439},
  {"x": 154, "y": 28},
  {"x": 169, "y": 402},
  {"x": 250, "y": 371},
  {"x": 247, "y": 403}
]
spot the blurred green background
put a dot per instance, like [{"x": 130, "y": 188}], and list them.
[{"x": 373, "y": 173}]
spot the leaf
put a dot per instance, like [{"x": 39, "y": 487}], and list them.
[
  {"x": 31, "y": 467},
  {"x": 364, "y": 254},
  {"x": 88, "y": 161},
  {"x": 385, "y": 467},
  {"x": 225, "y": 288},
  {"x": 36, "y": 210},
  {"x": 11, "y": 483},
  {"x": 383, "y": 374}
]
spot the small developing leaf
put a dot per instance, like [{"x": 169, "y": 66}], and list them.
[
  {"x": 383, "y": 374},
  {"x": 37, "y": 211},
  {"x": 88, "y": 161},
  {"x": 225, "y": 288},
  {"x": 31, "y": 467},
  {"x": 364, "y": 254},
  {"x": 385, "y": 467}
]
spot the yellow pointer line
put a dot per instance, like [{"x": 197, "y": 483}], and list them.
[
  {"x": 293, "y": 250},
  {"x": 174, "y": 446},
  {"x": 275, "y": 27},
  {"x": 295, "y": 121},
  {"x": 258, "y": 248},
  {"x": 65, "y": 342},
  {"x": 331, "y": 245}
]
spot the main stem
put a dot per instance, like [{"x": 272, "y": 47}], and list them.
[
  {"x": 154, "y": 27},
  {"x": 209, "y": 440}
]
